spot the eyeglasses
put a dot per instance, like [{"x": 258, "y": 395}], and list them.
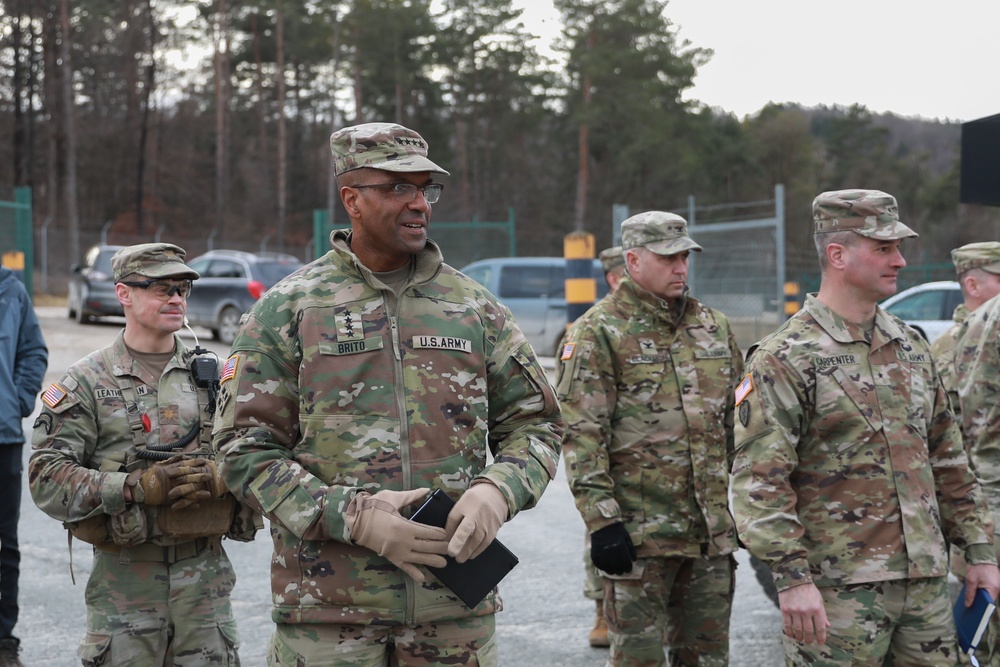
[
  {"x": 162, "y": 289},
  {"x": 407, "y": 192}
]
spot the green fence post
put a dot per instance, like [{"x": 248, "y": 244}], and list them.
[{"x": 24, "y": 236}]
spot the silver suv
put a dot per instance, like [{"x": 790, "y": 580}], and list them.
[
  {"x": 231, "y": 281},
  {"x": 534, "y": 288}
]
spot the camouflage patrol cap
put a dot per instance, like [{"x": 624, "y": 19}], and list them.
[
  {"x": 611, "y": 259},
  {"x": 984, "y": 255},
  {"x": 657, "y": 231},
  {"x": 385, "y": 146},
  {"x": 870, "y": 213},
  {"x": 153, "y": 260}
]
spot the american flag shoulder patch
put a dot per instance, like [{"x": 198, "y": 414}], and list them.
[
  {"x": 743, "y": 389},
  {"x": 53, "y": 395},
  {"x": 229, "y": 369},
  {"x": 567, "y": 351}
]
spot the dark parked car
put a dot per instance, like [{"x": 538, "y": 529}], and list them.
[
  {"x": 91, "y": 288},
  {"x": 231, "y": 281}
]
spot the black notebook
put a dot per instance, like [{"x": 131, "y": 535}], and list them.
[{"x": 472, "y": 580}]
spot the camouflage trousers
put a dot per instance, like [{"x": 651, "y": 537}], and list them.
[
  {"x": 469, "y": 641},
  {"x": 148, "y": 614},
  {"x": 686, "y": 600},
  {"x": 901, "y": 622}
]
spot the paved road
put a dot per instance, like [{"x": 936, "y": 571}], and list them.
[{"x": 544, "y": 623}]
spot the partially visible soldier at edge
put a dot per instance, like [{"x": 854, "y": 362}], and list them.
[
  {"x": 850, "y": 478},
  {"x": 358, "y": 384},
  {"x": 646, "y": 382},
  {"x": 121, "y": 455},
  {"x": 977, "y": 380},
  {"x": 23, "y": 360},
  {"x": 613, "y": 264},
  {"x": 977, "y": 266}
]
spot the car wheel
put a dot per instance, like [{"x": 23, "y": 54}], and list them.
[
  {"x": 71, "y": 303},
  {"x": 229, "y": 324}
]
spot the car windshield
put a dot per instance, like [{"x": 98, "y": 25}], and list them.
[{"x": 103, "y": 261}]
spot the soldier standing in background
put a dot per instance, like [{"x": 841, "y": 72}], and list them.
[
  {"x": 121, "y": 455},
  {"x": 850, "y": 478},
  {"x": 23, "y": 360},
  {"x": 357, "y": 385},
  {"x": 613, "y": 265},
  {"x": 977, "y": 266},
  {"x": 646, "y": 382},
  {"x": 977, "y": 376}
]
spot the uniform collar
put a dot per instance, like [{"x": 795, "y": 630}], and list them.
[
  {"x": 429, "y": 260},
  {"x": 886, "y": 328}
]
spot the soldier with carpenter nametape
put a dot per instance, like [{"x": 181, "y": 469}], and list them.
[
  {"x": 356, "y": 385},
  {"x": 646, "y": 382},
  {"x": 121, "y": 455},
  {"x": 850, "y": 479}
]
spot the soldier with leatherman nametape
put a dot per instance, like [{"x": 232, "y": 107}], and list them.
[{"x": 121, "y": 455}]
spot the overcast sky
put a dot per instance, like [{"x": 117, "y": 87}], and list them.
[{"x": 933, "y": 60}]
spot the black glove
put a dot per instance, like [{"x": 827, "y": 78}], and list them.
[{"x": 611, "y": 549}]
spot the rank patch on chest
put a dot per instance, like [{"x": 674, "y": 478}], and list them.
[
  {"x": 744, "y": 388},
  {"x": 349, "y": 325},
  {"x": 53, "y": 395},
  {"x": 442, "y": 343}
]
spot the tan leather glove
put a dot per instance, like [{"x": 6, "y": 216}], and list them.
[
  {"x": 375, "y": 523},
  {"x": 474, "y": 520},
  {"x": 154, "y": 483},
  {"x": 198, "y": 479},
  {"x": 180, "y": 482}
]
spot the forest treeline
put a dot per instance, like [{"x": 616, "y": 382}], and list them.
[{"x": 213, "y": 117}]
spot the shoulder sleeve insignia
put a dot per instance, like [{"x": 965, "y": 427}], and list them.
[
  {"x": 229, "y": 369},
  {"x": 53, "y": 395},
  {"x": 744, "y": 388},
  {"x": 567, "y": 351}
]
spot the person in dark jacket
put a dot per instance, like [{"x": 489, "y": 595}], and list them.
[{"x": 23, "y": 360}]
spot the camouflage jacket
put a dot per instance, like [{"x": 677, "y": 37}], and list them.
[
  {"x": 336, "y": 386},
  {"x": 647, "y": 394},
  {"x": 83, "y": 447},
  {"x": 978, "y": 362},
  {"x": 849, "y": 467},
  {"x": 944, "y": 349}
]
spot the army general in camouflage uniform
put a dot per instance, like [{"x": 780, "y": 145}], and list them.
[
  {"x": 119, "y": 455},
  {"x": 355, "y": 386},
  {"x": 850, "y": 479},
  {"x": 646, "y": 382}
]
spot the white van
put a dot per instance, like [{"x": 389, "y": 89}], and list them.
[{"x": 534, "y": 288}]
